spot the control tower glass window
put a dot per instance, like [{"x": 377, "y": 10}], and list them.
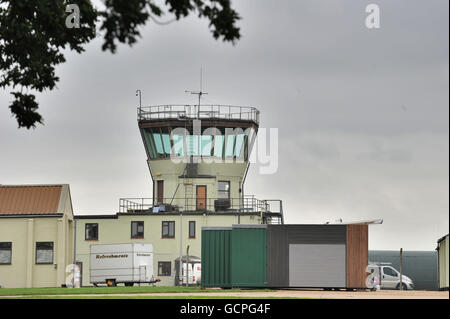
[
  {"x": 229, "y": 145},
  {"x": 206, "y": 142},
  {"x": 239, "y": 147},
  {"x": 166, "y": 143},
  {"x": 192, "y": 145},
  {"x": 226, "y": 143},
  {"x": 218, "y": 145},
  {"x": 158, "y": 143},
  {"x": 149, "y": 143},
  {"x": 178, "y": 145}
]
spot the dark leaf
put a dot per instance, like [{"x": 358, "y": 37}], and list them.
[{"x": 24, "y": 109}]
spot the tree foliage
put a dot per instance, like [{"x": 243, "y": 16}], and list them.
[{"x": 33, "y": 34}]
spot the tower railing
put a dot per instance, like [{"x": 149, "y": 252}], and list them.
[
  {"x": 247, "y": 204},
  {"x": 206, "y": 111}
]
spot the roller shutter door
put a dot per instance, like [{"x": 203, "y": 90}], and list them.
[{"x": 312, "y": 265}]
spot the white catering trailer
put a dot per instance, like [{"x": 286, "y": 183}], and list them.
[{"x": 121, "y": 263}]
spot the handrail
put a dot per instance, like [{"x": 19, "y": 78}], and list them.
[
  {"x": 207, "y": 111},
  {"x": 245, "y": 204}
]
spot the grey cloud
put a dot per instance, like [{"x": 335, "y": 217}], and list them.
[{"x": 333, "y": 88}]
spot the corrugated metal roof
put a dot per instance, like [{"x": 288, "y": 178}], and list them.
[{"x": 29, "y": 199}]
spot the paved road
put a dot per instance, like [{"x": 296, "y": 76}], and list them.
[{"x": 291, "y": 293}]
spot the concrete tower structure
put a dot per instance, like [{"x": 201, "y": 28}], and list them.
[{"x": 198, "y": 158}]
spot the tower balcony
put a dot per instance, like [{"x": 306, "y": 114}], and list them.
[
  {"x": 271, "y": 210},
  {"x": 211, "y": 112}
]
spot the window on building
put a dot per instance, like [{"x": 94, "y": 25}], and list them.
[
  {"x": 224, "y": 189},
  {"x": 206, "y": 144},
  {"x": 178, "y": 145},
  {"x": 218, "y": 145},
  {"x": 91, "y": 231},
  {"x": 164, "y": 268},
  {"x": 44, "y": 253},
  {"x": 191, "y": 229},
  {"x": 230, "y": 140},
  {"x": 239, "y": 147},
  {"x": 5, "y": 253},
  {"x": 137, "y": 229},
  {"x": 168, "y": 229},
  {"x": 192, "y": 145},
  {"x": 159, "y": 144}
]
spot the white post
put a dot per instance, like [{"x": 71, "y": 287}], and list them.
[{"x": 180, "y": 278}]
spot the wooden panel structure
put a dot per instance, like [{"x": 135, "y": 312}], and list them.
[{"x": 357, "y": 255}]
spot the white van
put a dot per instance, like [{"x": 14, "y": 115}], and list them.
[
  {"x": 194, "y": 274},
  {"x": 121, "y": 263},
  {"x": 387, "y": 277}
]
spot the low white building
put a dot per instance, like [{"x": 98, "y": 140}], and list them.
[{"x": 36, "y": 235}]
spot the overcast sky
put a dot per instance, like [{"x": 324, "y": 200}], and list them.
[{"x": 363, "y": 114}]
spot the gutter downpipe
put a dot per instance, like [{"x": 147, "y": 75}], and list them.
[
  {"x": 75, "y": 250},
  {"x": 180, "y": 275},
  {"x": 242, "y": 189},
  {"x": 401, "y": 269}
]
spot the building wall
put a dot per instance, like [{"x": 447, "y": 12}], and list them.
[
  {"x": 443, "y": 263},
  {"x": 118, "y": 230},
  {"x": 169, "y": 172},
  {"x": 23, "y": 272}
]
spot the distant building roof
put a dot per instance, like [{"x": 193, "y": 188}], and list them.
[
  {"x": 358, "y": 222},
  {"x": 30, "y": 199}
]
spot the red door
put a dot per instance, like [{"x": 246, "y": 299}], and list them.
[{"x": 201, "y": 197}]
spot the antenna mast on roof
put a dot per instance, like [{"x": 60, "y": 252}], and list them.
[
  {"x": 139, "y": 93},
  {"x": 199, "y": 93}
]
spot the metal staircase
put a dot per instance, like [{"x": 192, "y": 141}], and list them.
[
  {"x": 188, "y": 195},
  {"x": 273, "y": 212}
]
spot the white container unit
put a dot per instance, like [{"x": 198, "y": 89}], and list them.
[{"x": 121, "y": 263}]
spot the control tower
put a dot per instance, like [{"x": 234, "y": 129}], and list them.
[{"x": 198, "y": 156}]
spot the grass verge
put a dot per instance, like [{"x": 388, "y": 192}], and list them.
[
  {"x": 143, "y": 297},
  {"x": 114, "y": 290}
]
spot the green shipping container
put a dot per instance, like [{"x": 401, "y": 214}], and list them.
[
  {"x": 216, "y": 253},
  {"x": 248, "y": 256},
  {"x": 302, "y": 256}
]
